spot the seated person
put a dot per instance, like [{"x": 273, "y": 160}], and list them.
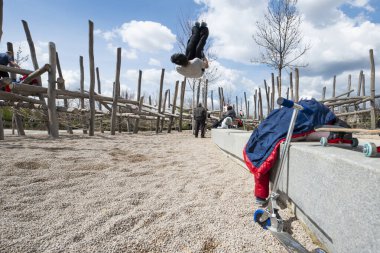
[
  {"x": 229, "y": 113},
  {"x": 226, "y": 123}
]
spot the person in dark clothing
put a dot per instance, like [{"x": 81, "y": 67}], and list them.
[
  {"x": 200, "y": 115},
  {"x": 229, "y": 113},
  {"x": 5, "y": 60}
]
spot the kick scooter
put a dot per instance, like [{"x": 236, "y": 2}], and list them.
[{"x": 269, "y": 217}]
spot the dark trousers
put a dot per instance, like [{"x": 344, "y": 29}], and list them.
[
  {"x": 200, "y": 125},
  {"x": 196, "y": 43}
]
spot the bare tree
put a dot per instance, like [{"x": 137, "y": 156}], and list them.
[
  {"x": 279, "y": 36},
  {"x": 20, "y": 58}
]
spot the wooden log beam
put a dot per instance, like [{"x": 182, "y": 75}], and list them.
[
  {"x": 15, "y": 97},
  {"x": 15, "y": 70},
  {"x": 352, "y": 113},
  {"x": 36, "y": 74}
]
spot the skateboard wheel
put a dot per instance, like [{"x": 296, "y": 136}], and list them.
[
  {"x": 323, "y": 141},
  {"x": 355, "y": 142},
  {"x": 256, "y": 217},
  {"x": 369, "y": 149}
]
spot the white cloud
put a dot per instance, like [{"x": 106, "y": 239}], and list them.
[
  {"x": 125, "y": 53},
  {"x": 340, "y": 43},
  {"x": 154, "y": 62},
  {"x": 147, "y": 36}
]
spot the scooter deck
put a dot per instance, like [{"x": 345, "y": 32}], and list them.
[
  {"x": 289, "y": 242},
  {"x": 347, "y": 130}
]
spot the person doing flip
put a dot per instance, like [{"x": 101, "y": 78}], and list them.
[{"x": 194, "y": 63}]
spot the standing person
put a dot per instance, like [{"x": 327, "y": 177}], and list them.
[
  {"x": 5, "y": 60},
  {"x": 200, "y": 115}
]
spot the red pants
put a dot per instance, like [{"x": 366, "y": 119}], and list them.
[{"x": 262, "y": 185}]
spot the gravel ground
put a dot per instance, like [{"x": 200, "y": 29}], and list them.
[{"x": 128, "y": 193}]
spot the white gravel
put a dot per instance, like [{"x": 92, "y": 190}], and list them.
[{"x": 128, "y": 193}]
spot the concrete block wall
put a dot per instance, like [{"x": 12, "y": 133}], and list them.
[{"x": 334, "y": 191}]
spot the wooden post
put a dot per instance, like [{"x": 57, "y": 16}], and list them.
[
  {"x": 52, "y": 110},
  {"x": 273, "y": 93},
  {"x": 261, "y": 105},
  {"x": 255, "y": 101},
  {"x": 84, "y": 121},
  {"x": 237, "y": 103},
  {"x": 206, "y": 94},
  {"x": 296, "y": 98},
  {"x": 164, "y": 109},
  {"x": 372, "y": 89},
  {"x": 348, "y": 89},
  {"x": 278, "y": 89},
  {"x": 92, "y": 78},
  {"x": 160, "y": 100},
  {"x": 324, "y": 93},
  {"x": 291, "y": 86},
  {"x": 246, "y": 104},
  {"x": 150, "y": 122},
  {"x": 360, "y": 82},
  {"x": 269, "y": 102},
  {"x": 139, "y": 86},
  {"x": 267, "y": 95},
  {"x": 287, "y": 93},
  {"x": 116, "y": 91},
  {"x": 220, "y": 102},
  {"x": 136, "y": 126},
  {"x": 99, "y": 104},
  {"x": 61, "y": 86},
  {"x": 16, "y": 116},
  {"x": 1, "y": 124},
  {"x": 223, "y": 101},
  {"x": 334, "y": 87},
  {"x": 198, "y": 93},
  {"x": 363, "y": 91},
  {"x": 212, "y": 100},
  {"x": 183, "y": 86},
  {"x": 174, "y": 106}
]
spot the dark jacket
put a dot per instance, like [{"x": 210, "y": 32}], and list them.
[
  {"x": 200, "y": 113},
  {"x": 230, "y": 113}
]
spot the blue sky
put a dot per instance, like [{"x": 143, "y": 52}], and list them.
[{"x": 340, "y": 32}]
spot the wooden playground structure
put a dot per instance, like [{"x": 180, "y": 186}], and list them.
[{"x": 29, "y": 93}]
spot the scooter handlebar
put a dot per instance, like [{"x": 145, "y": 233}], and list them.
[
  {"x": 285, "y": 102},
  {"x": 290, "y": 104}
]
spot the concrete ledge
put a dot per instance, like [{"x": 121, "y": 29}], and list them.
[{"x": 334, "y": 191}]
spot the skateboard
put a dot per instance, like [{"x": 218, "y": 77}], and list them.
[{"x": 342, "y": 135}]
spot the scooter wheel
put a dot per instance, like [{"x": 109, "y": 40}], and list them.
[
  {"x": 323, "y": 141},
  {"x": 355, "y": 142},
  {"x": 369, "y": 149},
  {"x": 256, "y": 217}
]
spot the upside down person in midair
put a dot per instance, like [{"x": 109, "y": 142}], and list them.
[{"x": 194, "y": 63}]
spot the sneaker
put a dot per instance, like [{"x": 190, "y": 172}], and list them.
[{"x": 260, "y": 201}]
